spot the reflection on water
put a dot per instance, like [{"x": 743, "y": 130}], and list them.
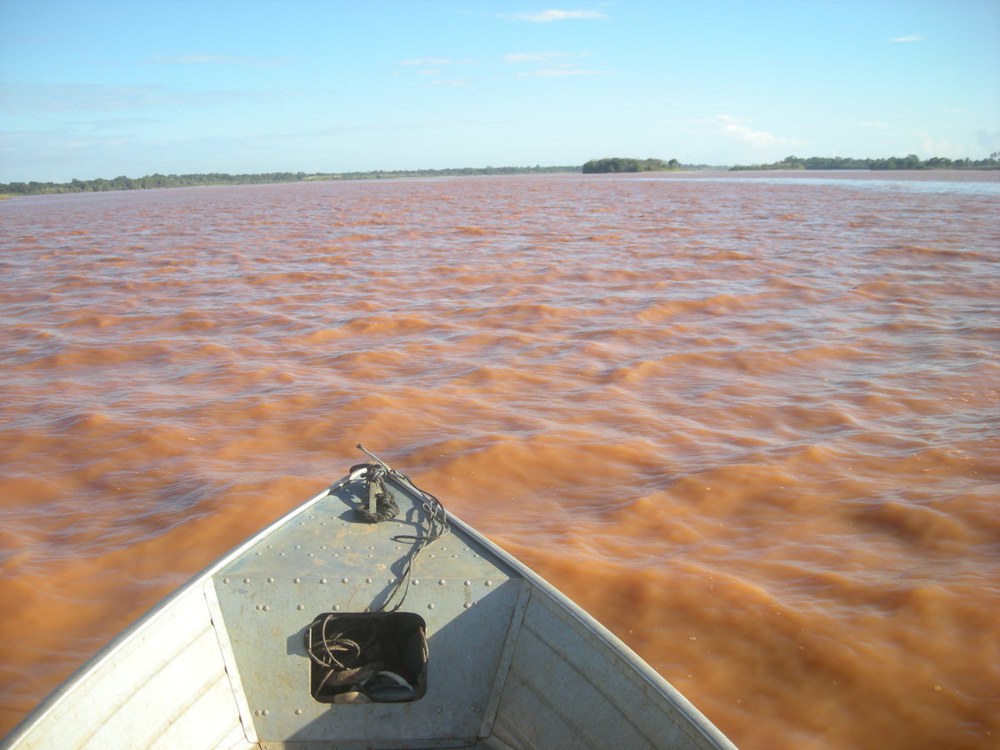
[
  {"x": 749, "y": 422},
  {"x": 970, "y": 183}
]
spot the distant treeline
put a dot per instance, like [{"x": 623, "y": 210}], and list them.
[
  {"x": 625, "y": 164},
  {"x": 149, "y": 181},
  {"x": 893, "y": 162},
  {"x": 217, "y": 178},
  {"x": 594, "y": 166}
]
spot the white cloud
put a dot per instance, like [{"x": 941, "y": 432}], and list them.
[
  {"x": 534, "y": 57},
  {"x": 559, "y": 71},
  {"x": 731, "y": 127},
  {"x": 907, "y": 39},
  {"x": 192, "y": 59},
  {"x": 548, "y": 16},
  {"x": 988, "y": 140},
  {"x": 934, "y": 146},
  {"x": 435, "y": 67},
  {"x": 560, "y": 64},
  {"x": 196, "y": 58},
  {"x": 453, "y": 82},
  {"x": 432, "y": 62},
  {"x": 104, "y": 98}
]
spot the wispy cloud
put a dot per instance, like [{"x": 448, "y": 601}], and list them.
[
  {"x": 197, "y": 58},
  {"x": 559, "y": 71},
  {"x": 733, "y": 128},
  {"x": 105, "y": 98},
  {"x": 435, "y": 62},
  {"x": 442, "y": 71},
  {"x": 557, "y": 64},
  {"x": 537, "y": 57},
  {"x": 988, "y": 140},
  {"x": 934, "y": 145},
  {"x": 548, "y": 16},
  {"x": 907, "y": 39},
  {"x": 453, "y": 82}
]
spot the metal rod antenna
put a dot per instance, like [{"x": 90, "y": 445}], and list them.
[{"x": 381, "y": 463}]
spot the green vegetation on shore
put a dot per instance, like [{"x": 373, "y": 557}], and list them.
[
  {"x": 893, "y": 162},
  {"x": 217, "y": 178},
  {"x": 626, "y": 164},
  {"x": 594, "y": 166}
]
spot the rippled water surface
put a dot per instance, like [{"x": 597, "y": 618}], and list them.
[{"x": 750, "y": 422}]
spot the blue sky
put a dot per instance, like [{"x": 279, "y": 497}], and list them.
[{"x": 99, "y": 88}]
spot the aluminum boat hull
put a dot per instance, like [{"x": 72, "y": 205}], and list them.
[{"x": 224, "y": 663}]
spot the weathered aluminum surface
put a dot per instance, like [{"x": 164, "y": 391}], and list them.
[
  {"x": 162, "y": 685},
  {"x": 513, "y": 665},
  {"x": 328, "y": 560},
  {"x": 573, "y": 684}
]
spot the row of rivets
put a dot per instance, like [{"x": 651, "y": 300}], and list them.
[
  {"x": 368, "y": 579},
  {"x": 298, "y": 711},
  {"x": 258, "y": 553},
  {"x": 336, "y": 607}
]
